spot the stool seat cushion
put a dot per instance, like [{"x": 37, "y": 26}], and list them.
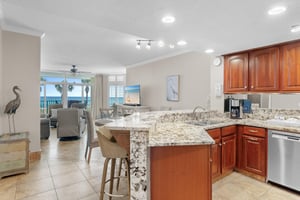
[{"x": 110, "y": 149}]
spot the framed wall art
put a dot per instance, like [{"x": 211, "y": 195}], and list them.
[{"x": 173, "y": 88}]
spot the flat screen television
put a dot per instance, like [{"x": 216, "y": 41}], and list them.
[{"x": 132, "y": 95}]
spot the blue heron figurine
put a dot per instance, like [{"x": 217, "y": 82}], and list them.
[{"x": 12, "y": 106}]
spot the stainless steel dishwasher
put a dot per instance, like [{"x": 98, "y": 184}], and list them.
[{"x": 284, "y": 159}]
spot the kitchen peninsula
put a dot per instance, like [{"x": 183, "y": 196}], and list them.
[{"x": 163, "y": 136}]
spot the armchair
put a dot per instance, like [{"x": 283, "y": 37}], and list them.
[
  {"x": 53, "y": 113},
  {"x": 69, "y": 123}
]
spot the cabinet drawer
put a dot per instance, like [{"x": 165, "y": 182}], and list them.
[
  {"x": 254, "y": 131},
  {"x": 215, "y": 133},
  {"x": 228, "y": 130},
  {"x": 12, "y": 165},
  {"x": 10, "y": 147}
]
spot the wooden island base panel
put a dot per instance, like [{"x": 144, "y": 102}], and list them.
[{"x": 181, "y": 172}]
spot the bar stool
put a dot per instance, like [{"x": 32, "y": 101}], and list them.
[{"x": 111, "y": 151}]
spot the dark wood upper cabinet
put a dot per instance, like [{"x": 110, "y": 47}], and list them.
[
  {"x": 264, "y": 70},
  {"x": 274, "y": 68},
  {"x": 290, "y": 67},
  {"x": 236, "y": 73}
]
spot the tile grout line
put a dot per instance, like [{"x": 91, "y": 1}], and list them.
[
  {"x": 52, "y": 179},
  {"x": 86, "y": 178}
]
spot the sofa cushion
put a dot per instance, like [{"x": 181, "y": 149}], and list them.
[{"x": 54, "y": 113}]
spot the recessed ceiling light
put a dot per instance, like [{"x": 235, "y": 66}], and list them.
[
  {"x": 181, "y": 43},
  {"x": 277, "y": 10},
  {"x": 161, "y": 43},
  {"x": 209, "y": 51},
  {"x": 172, "y": 46},
  {"x": 168, "y": 19},
  {"x": 295, "y": 28}
]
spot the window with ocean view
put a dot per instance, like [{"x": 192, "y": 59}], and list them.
[
  {"x": 116, "y": 85},
  {"x": 63, "y": 90}
]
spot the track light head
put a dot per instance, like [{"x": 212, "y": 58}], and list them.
[
  {"x": 148, "y": 46},
  {"x": 138, "y": 45}
]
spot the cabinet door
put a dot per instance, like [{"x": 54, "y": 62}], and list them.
[
  {"x": 264, "y": 70},
  {"x": 228, "y": 153},
  {"x": 216, "y": 158},
  {"x": 290, "y": 67},
  {"x": 215, "y": 153},
  {"x": 236, "y": 73},
  {"x": 254, "y": 154}
]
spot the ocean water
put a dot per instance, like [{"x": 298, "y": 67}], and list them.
[{"x": 57, "y": 100}]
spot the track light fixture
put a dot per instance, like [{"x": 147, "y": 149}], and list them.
[
  {"x": 148, "y": 46},
  {"x": 140, "y": 42}
]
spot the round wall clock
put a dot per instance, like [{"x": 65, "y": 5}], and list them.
[{"x": 217, "y": 61}]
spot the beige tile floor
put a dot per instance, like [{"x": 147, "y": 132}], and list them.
[{"x": 63, "y": 174}]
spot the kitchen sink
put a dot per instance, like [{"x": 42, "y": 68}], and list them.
[{"x": 204, "y": 122}]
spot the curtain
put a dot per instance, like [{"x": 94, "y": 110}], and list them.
[{"x": 97, "y": 95}]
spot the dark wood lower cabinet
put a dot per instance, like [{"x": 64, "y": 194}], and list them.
[
  {"x": 228, "y": 153},
  {"x": 216, "y": 158},
  {"x": 215, "y": 153},
  {"x": 254, "y": 154},
  {"x": 181, "y": 172},
  {"x": 223, "y": 151}
]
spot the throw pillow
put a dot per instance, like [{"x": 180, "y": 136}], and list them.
[{"x": 54, "y": 113}]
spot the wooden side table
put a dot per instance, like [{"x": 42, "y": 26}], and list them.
[{"x": 14, "y": 153}]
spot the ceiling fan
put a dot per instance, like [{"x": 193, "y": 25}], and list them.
[{"x": 73, "y": 71}]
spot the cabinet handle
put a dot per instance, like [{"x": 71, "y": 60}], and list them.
[
  {"x": 224, "y": 143},
  {"x": 252, "y": 138},
  {"x": 252, "y": 86},
  {"x": 245, "y": 87},
  {"x": 220, "y": 144},
  {"x": 253, "y": 131}
]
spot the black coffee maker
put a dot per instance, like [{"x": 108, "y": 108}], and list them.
[{"x": 234, "y": 108}]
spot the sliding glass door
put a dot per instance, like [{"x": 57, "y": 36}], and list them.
[{"x": 64, "y": 90}]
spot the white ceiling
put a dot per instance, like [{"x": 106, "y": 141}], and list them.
[{"x": 100, "y": 35}]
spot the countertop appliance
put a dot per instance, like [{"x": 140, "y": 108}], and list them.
[
  {"x": 284, "y": 159},
  {"x": 234, "y": 108}
]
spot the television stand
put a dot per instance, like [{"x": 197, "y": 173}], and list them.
[{"x": 125, "y": 110}]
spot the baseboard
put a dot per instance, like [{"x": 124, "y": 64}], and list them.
[
  {"x": 35, "y": 155},
  {"x": 252, "y": 175}
]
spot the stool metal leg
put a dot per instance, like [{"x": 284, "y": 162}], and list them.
[
  {"x": 102, "y": 188},
  {"x": 119, "y": 173},
  {"x": 112, "y": 175},
  {"x": 128, "y": 174}
]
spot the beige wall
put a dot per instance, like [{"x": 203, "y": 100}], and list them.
[
  {"x": 194, "y": 71},
  {"x": 21, "y": 66},
  {"x": 1, "y": 81},
  {"x": 216, "y": 73}
]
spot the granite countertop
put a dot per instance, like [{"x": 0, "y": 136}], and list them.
[
  {"x": 171, "y": 134},
  {"x": 170, "y": 128}
]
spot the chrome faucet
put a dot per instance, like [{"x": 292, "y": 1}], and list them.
[{"x": 195, "y": 109}]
